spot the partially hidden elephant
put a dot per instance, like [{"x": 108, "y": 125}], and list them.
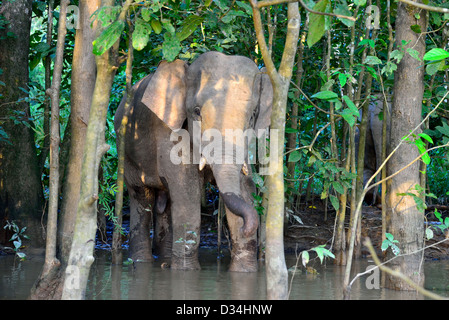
[
  {"x": 218, "y": 92},
  {"x": 373, "y": 145}
]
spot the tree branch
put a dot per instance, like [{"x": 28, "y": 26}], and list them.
[
  {"x": 400, "y": 275},
  {"x": 266, "y": 3},
  {"x": 425, "y": 6}
]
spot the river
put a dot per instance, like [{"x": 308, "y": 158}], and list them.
[{"x": 148, "y": 281}]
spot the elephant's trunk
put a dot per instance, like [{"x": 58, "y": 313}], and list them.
[{"x": 227, "y": 177}]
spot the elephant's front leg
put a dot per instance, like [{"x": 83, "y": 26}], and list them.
[
  {"x": 243, "y": 248},
  {"x": 185, "y": 204}
]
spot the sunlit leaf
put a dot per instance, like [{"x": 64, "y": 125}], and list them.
[
  {"x": 316, "y": 23},
  {"x": 436, "y": 54},
  {"x": 108, "y": 37}
]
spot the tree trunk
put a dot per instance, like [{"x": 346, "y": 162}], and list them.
[
  {"x": 50, "y": 253},
  {"x": 116, "y": 238},
  {"x": 21, "y": 196},
  {"x": 406, "y": 222},
  {"x": 83, "y": 83},
  {"x": 276, "y": 270},
  {"x": 83, "y": 80},
  {"x": 81, "y": 252}
]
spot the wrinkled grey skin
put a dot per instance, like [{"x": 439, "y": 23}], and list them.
[
  {"x": 373, "y": 146},
  {"x": 223, "y": 92}
]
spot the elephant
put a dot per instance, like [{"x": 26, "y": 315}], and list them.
[
  {"x": 216, "y": 92},
  {"x": 373, "y": 145}
]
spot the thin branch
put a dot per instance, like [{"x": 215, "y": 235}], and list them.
[
  {"x": 266, "y": 3},
  {"x": 425, "y": 6},
  {"x": 400, "y": 275}
]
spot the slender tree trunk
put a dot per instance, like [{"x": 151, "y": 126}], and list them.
[
  {"x": 47, "y": 62},
  {"x": 295, "y": 123},
  {"x": 21, "y": 196},
  {"x": 277, "y": 277},
  {"x": 83, "y": 83},
  {"x": 50, "y": 254},
  {"x": 81, "y": 253},
  {"x": 116, "y": 239},
  {"x": 406, "y": 222}
]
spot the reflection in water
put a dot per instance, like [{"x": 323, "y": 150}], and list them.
[{"x": 213, "y": 282}]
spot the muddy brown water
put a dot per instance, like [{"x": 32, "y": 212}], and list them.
[{"x": 148, "y": 281}]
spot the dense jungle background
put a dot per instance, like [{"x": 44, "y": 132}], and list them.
[{"x": 388, "y": 52}]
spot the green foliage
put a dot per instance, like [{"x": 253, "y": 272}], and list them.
[
  {"x": 184, "y": 29},
  {"x": 317, "y": 23},
  {"x": 390, "y": 242},
  {"x": 321, "y": 252},
  {"x": 17, "y": 237}
]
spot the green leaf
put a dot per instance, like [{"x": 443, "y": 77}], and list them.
[
  {"x": 325, "y": 95},
  {"x": 372, "y": 60},
  {"x": 426, "y": 137},
  {"x": 351, "y": 106},
  {"x": 246, "y": 6},
  {"x": 291, "y": 130},
  {"x": 338, "y": 187},
  {"x": 414, "y": 53},
  {"x": 342, "y": 78},
  {"x": 436, "y": 54},
  {"x": 433, "y": 68},
  {"x": 416, "y": 28},
  {"x": 343, "y": 10},
  {"x": 319, "y": 252},
  {"x": 397, "y": 55},
  {"x": 157, "y": 26},
  {"x": 188, "y": 27},
  {"x": 385, "y": 245},
  {"x": 349, "y": 117},
  {"x": 171, "y": 46},
  {"x": 305, "y": 258},
  {"x": 295, "y": 156},
  {"x": 429, "y": 233},
  {"x": 108, "y": 37},
  {"x": 334, "y": 201},
  {"x": 316, "y": 23},
  {"x": 146, "y": 14},
  {"x": 21, "y": 255},
  {"x": 141, "y": 34}
]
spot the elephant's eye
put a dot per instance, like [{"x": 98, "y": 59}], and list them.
[{"x": 197, "y": 111}]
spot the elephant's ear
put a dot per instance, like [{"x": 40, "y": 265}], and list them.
[
  {"x": 165, "y": 93},
  {"x": 264, "y": 91}
]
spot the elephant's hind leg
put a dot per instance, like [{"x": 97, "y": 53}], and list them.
[
  {"x": 141, "y": 220},
  {"x": 163, "y": 235}
]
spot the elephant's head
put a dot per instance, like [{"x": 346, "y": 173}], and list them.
[{"x": 218, "y": 92}]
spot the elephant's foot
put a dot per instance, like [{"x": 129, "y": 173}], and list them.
[{"x": 244, "y": 257}]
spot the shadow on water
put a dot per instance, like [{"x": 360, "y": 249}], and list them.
[{"x": 146, "y": 281}]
